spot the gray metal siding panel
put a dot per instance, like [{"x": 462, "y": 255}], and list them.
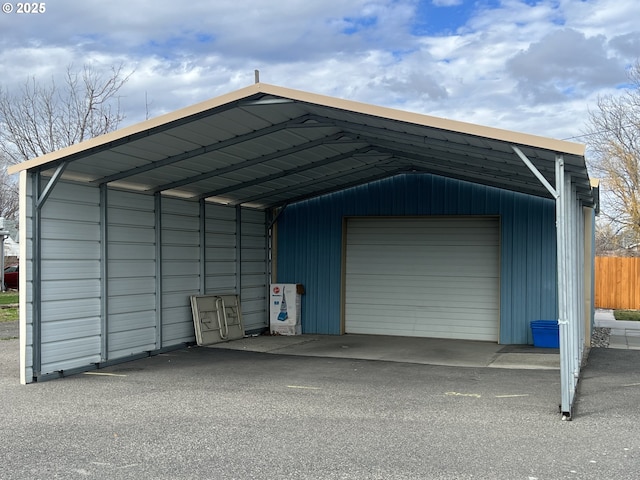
[
  {"x": 180, "y": 268},
  {"x": 71, "y": 273},
  {"x": 220, "y": 251},
  {"x": 253, "y": 287},
  {"x": 71, "y": 318},
  {"x": 131, "y": 269},
  {"x": 310, "y": 244}
]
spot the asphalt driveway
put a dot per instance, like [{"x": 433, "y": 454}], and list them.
[{"x": 212, "y": 413}]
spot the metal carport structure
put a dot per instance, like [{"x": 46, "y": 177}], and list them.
[{"x": 228, "y": 166}]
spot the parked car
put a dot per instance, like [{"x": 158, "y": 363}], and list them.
[{"x": 11, "y": 276}]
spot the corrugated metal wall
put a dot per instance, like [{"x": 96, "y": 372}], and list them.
[
  {"x": 131, "y": 254},
  {"x": 221, "y": 228},
  {"x": 180, "y": 268},
  {"x": 310, "y": 244},
  {"x": 153, "y": 259},
  {"x": 253, "y": 286},
  {"x": 220, "y": 252},
  {"x": 70, "y": 289}
]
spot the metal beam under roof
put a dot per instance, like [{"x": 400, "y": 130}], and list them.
[{"x": 249, "y": 144}]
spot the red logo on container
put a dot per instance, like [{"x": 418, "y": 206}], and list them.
[{"x": 276, "y": 289}]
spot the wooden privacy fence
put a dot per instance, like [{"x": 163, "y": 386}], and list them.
[{"x": 617, "y": 283}]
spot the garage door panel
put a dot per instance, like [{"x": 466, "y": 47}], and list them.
[
  {"x": 436, "y": 268},
  {"x": 395, "y": 313},
  {"x": 432, "y": 277},
  {"x": 421, "y": 258},
  {"x": 380, "y": 284},
  {"x": 479, "y": 254},
  {"x": 412, "y": 289},
  {"x": 457, "y": 239},
  {"x": 397, "y": 303}
]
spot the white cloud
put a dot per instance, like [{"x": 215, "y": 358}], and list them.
[
  {"x": 564, "y": 64},
  {"x": 517, "y": 65},
  {"x": 447, "y": 3}
]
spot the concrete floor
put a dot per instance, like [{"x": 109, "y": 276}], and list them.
[
  {"x": 426, "y": 351},
  {"x": 431, "y": 351}
]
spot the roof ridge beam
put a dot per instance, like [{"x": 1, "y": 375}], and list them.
[{"x": 283, "y": 173}]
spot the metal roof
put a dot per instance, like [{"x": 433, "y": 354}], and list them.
[{"x": 266, "y": 146}]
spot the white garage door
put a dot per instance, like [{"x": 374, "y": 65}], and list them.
[{"x": 423, "y": 277}]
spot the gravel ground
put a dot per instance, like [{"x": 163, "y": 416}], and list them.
[
  {"x": 9, "y": 330},
  {"x": 600, "y": 337}
]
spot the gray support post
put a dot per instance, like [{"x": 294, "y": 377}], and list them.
[
  {"x": 573, "y": 276},
  {"x": 569, "y": 272},
  {"x": 563, "y": 320},
  {"x": 577, "y": 255},
  {"x": 104, "y": 275},
  {"x": 582, "y": 276},
  {"x": 267, "y": 261},
  {"x": 238, "y": 250},
  {"x": 267, "y": 250},
  {"x": 571, "y": 287},
  {"x": 203, "y": 246},
  {"x": 158, "y": 230},
  {"x": 36, "y": 280}
]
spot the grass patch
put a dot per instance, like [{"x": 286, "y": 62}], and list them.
[
  {"x": 7, "y": 298},
  {"x": 628, "y": 315},
  {"x": 9, "y": 314}
]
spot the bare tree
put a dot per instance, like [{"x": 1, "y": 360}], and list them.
[
  {"x": 614, "y": 138},
  {"x": 42, "y": 118},
  {"x": 8, "y": 195}
]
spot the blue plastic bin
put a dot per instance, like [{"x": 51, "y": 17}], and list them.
[{"x": 546, "y": 333}]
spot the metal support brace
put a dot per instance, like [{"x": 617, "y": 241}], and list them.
[
  {"x": 535, "y": 171},
  {"x": 277, "y": 216},
  {"x": 41, "y": 197}
]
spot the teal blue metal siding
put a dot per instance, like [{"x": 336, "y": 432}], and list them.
[{"x": 310, "y": 244}]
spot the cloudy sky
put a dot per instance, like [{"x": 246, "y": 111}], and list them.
[{"x": 535, "y": 66}]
